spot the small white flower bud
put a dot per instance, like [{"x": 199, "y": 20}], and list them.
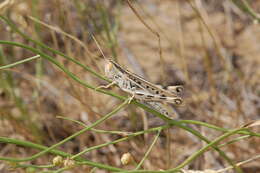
[{"x": 126, "y": 158}]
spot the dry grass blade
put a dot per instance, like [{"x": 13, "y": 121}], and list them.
[
  {"x": 59, "y": 30},
  {"x": 5, "y": 5},
  {"x": 252, "y": 124},
  {"x": 155, "y": 33}
]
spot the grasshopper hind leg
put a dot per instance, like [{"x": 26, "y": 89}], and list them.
[{"x": 158, "y": 107}]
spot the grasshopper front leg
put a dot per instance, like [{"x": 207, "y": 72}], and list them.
[{"x": 106, "y": 86}]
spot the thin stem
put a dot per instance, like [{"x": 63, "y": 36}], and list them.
[
  {"x": 97, "y": 130},
  {"x": 155, "y": 33},
  {"x": 240, "y": 163},
  {"x": 118, "y": 140},
  {"x": 19, "y": 62},
  {"x": 148, "y": 151},
  {"x": 243, "y": 4}
]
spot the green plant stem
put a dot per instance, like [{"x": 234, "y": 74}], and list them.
[
  {"x": 245, "y": 132},
  {"x": 19, "y": 62},
  {"x": 243, "y": 5},
  {"x": 148, "y": 151},
  {"x": 234, "y": 140},
  {"x": 33, "y": 166},
  {"x": 96, "y": 130},
  {"x": 30, "y": 145}
]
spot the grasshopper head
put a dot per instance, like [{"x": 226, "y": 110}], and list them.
[{"x": 109, "y": 70}]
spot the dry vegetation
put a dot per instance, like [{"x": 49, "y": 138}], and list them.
[{"x": 211, "y": 47}]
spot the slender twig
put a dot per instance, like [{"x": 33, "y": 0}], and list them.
[
  {"x": 152, "y": 31},
  {"x": 19, "y": 62},
  {"x": 148, "y": 151},
  {"x": 240, "y": 163}
]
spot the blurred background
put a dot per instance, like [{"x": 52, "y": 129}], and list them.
[{"x": 210, "y": 47}]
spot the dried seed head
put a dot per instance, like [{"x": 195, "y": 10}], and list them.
[
  {"x": 126, "y": 159},
  {"x": 68, "y": 163},
  {"x": 57, "y": 160}
]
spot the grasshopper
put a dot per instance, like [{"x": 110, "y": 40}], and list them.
[{"x": 140, "y": 88}]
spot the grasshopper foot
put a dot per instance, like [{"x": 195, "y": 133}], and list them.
[{"x": 130, "y": 99}]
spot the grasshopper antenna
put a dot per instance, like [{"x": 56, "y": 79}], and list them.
[{"x": 99, "y": 48}]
